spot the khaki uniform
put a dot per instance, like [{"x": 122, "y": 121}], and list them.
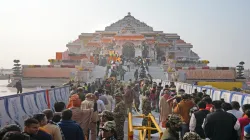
[
  {"x": 146, "y": 109},
  {"x": 88, "y": 103},
  {"x": 119, "y": 116}
]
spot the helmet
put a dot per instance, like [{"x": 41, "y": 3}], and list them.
[
  {"x": 191, "y": 136},
  {"x": 173, "y": 119},
  {"x": 109, "y": 126}
]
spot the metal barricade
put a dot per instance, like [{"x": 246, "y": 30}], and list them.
[{"x": 143, "y": 130}]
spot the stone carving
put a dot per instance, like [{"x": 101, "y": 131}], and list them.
[
  {"x": 129, "y": 20},
  {"x": 128, "y": 30}
]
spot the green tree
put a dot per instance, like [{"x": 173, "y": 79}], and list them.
[{"x": 17, "y": 68}]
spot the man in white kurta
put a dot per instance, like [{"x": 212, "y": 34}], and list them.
[{"x": 165, "y": 107}]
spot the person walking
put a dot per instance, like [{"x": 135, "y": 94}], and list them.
[
  {"x": 219, "y": 125},
  {"x": 236, "y": 109},
  {"x": 42, "y": 133},
  {"x": 136, "y": 74},
  {"x": 172, "y": 128},
  {"x": 165, "y": 107},
  {"x": 19, "y": 86},
  {"x": 71, "y": 130},
  {"x": 90, "y": 103},
  {"x": 53, "y": 129},
  {"x": 197, "y": 119},
  {"x": 136, "y": 90},
  {"x": 128, "y": 98},
  {"x": 241, "y": 123},
  {"x": 146, "y": 107},
  {"x": 119, "y": 116},
  {"x": 183, "y": 109}
]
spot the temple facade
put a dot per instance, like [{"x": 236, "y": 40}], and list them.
[{"x": 128, "y": 37}]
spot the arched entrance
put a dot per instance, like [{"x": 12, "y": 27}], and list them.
[
  {"x": 128, "y": 50},
  {"x": 145, "y": 51}
]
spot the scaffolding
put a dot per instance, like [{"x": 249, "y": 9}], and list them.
[{"x": 143, "y": 130}]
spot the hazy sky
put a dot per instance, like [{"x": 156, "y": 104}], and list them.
[{"x": 33, "y": 30}]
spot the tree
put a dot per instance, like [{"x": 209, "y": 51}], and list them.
[
  {"x": 17, "y": 69},
  {"x": 240, "y": 70}
]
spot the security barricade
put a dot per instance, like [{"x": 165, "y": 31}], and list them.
[
  {"x": 216, "y": 94},
  {"x": 143, "y": 130},
  {"x": 16, "y": 108}
]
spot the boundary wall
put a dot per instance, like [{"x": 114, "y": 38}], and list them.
[
  {"x": 215, "y": 94},
  {"x": 14, "y": 109}
]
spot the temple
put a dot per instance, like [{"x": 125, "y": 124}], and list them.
[
  {"x": 125, "y": 39},
  {"x": 128, "y": 37}
]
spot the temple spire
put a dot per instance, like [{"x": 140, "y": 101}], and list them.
[{"x": 129, "y": 14}]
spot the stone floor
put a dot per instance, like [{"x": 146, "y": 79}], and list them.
[{"x": 4, "y": 90}]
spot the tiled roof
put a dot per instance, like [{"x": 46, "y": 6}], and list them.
[
  {"x": 47, "y": 72},
  {"x": 180, "y": 41},
  {"x": 107, "y": 40},
  {"x": 163, "y": 44},
  {"x": 93, "y": 44},
  {"x": 130, "y": 37}
]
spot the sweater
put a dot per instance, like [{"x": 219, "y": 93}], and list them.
[
  {"x": 183, "y": 108},
  {"x": 71, "y": 130}
]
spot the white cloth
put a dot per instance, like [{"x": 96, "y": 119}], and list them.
[
  {"x": 111, "y": 102},
  {"x": 100, "y": 106},
  {"x": 192, "y": 123},
  {"x": 237, "y": 125},
  {"x": 238, "y": 114}
]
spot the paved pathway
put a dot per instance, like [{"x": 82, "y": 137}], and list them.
[
  {"x": 157, "y": 73},
  {"x": 4, "y": 91}
]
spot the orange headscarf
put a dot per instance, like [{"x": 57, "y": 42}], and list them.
[{"x": 74, "y": 101}]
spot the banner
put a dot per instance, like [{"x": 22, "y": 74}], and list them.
[
  {"x": 199, "y": 89},
  {"x": 52, "y": 98},
  {"x": 193, "y": 89},
  {"x": 64, "y": 95},
  {"x": 188, "y": 89},
  {"x": 182, "y": 86},
  {"x": 237, "y": 97},
  {"x": 246, "y": 99},
  {"x": 40, "y": 100},
  {"x": 216, "y": 95},
  {"x": 15, "y": 110},
  {"x": 178, "y": 86},
  {"x": 226, "y": 96},
  {"x": 185, "y": 87},
  {"x": 58, "y": 96},
  {"x": 208, "y": 91},
  {"x": 28, "y": 104},
  {"x": 4, "y": 117}
]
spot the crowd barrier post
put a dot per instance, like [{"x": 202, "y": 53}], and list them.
[{"x": 130, "y": 127}]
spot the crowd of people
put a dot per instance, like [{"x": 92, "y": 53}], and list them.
[
  {"x": 98, "y": 110},
  {"x": 197, "y": 117}
]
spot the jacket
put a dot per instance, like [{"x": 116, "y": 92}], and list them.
[
  {"x": 219, "y": 125},
  {"x": 71, "y": 130},
  {"x": 42, "y": 135},
  {"x": 183, "y": 108},
  {"x": 54, "y": 131},
  {"x": 199, "y": 117}
]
